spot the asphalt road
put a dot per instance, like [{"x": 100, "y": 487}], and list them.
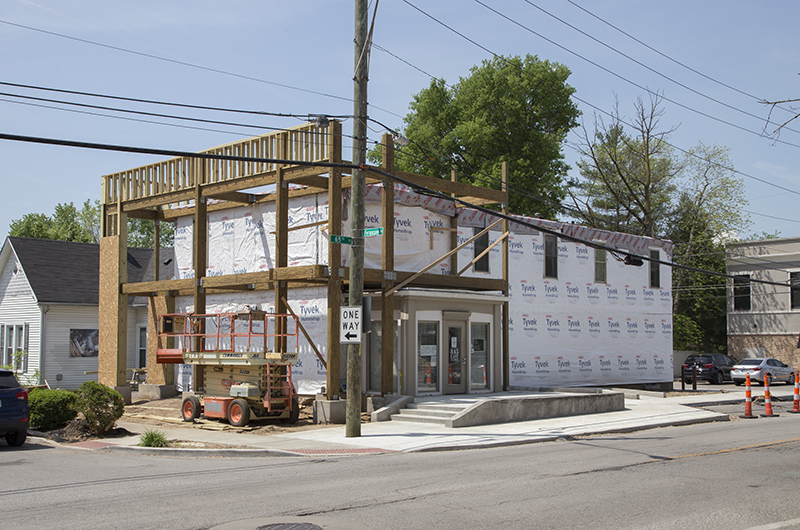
[{"x": 738, "y": 474}]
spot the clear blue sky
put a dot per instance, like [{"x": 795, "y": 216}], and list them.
[{"x": 244, "y": 51}]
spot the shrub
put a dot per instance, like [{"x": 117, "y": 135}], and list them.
[
  {"x": 153, "y": 439},
  {"x": 101, "y": 406},
  {"x": 51, "y": 409}
]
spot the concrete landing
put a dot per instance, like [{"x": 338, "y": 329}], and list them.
[{"x": 490, "y": 409}]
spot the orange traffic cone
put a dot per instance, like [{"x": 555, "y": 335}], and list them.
[
  {"x": 768, "y": 400},
  {"x": 796, "y": 406},
  {"x": 748, "y": 400}
]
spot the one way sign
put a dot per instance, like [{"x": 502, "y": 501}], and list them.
[{"x": 350, "y": 325}]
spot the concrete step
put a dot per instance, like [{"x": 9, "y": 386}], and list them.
[
  {"x": 429, "y": 412},
  {"x": 416, "y": 418},
  {"x": 452, "y": 408}
]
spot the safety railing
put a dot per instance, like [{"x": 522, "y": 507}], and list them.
[{"x": 250, "y": 338}]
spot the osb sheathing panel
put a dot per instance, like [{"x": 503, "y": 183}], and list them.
[
  {"x": 158, "y": 374},
  {"x": 113, "y": 315}
]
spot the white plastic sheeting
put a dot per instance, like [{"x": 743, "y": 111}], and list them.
[{"x": 584, "y": 333}]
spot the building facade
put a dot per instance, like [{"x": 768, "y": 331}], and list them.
[{"x": 764, "y": 318}]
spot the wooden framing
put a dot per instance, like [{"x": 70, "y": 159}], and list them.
[{"x": 193, "y": 186}]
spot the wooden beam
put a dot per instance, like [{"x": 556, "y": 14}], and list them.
[
  {"x": 305, "y": 334},
  {"x": 334, "y": 263},
  {"x": 506, "y": 341},
  {"x": 233, "y": 196},
  {"x": 467, "y": 191}
]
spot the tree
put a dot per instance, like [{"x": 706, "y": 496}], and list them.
[
  {"x": 83, "y": 226},
  {"x": 628, "y": 173},
  {"x": 63, "y": 225},
  {"x": 509, "y": 109}
]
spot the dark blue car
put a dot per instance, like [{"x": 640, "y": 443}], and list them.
[{"x": 14, "y": 412}]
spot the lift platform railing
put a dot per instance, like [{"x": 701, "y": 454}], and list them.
[{"x": 249, "y": 338}]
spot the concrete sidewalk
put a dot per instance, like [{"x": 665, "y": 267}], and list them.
[{"x": 643, "y": 410}]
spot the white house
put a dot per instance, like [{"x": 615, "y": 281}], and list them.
[{"x": 49, "y": 310}]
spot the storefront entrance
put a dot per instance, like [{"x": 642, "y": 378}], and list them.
[{"x": 456, "y": 375}]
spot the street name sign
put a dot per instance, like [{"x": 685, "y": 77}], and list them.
[
  {"x": 350, "y": 325},
  {"x": 369, "y": 232},
  {"x": 346, "y": 240}
]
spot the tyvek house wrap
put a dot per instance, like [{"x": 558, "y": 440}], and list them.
[{"x": 568, "y": 331}]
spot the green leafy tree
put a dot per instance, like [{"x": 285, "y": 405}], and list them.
[
  {"x": 514, "y": 109},
  {"x": 83, "y": 226}
]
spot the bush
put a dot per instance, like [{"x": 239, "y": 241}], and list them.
[
  {"x": 101, "y": 406},
  {"x": 51, "y": 409},
  {"x": 153, "y": 439}
]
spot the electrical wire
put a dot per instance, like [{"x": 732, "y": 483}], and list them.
[
  {"x": 188, "y": 64},
  {"x": 379, "y": 171},
  {"x": 653, "y": 70},
  {"x": 623, "y": 78},
  {"x": 701, "y": 74},
  {"x": 169, "y": 103}
]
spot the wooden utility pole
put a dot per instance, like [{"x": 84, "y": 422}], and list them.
[{"x": 356, "y": 292}]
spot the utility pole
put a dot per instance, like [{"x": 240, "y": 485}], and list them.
[{"x": 357, "y": 189}]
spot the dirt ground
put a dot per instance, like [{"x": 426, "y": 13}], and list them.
[{"x": 166, "y": 413}]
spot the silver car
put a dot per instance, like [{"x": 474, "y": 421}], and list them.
[{"x": 758, "y": 366}]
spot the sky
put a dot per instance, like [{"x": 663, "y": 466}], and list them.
[{"x": 712, "y": 61}]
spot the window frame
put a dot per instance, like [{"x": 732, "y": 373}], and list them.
[
  {"x": 794, "y": 289},
  {"x": 742, "y": 292},
  {"x": 479, "y": 245},
  {"x": 550, "y": 258},
  {"x": 600, "y": 264},
  {"x": 655, "y": 268}
]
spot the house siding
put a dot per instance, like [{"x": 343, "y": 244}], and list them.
[{"x": 18, "y": 306}]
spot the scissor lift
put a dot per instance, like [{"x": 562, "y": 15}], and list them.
[{"x": 246, "y": 359}]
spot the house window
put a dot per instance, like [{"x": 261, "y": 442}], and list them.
[
  {"x": 14, "y": 345},
  {"x": 481, "y": 244},
  {"x": 655, "y": 269},
  {"x": 600, "y": 265},
  {"x": 741, "y": 292},
  {"x": 550, "y": 256},
  {"x": 142, "y": 361},
  {"x": 794, "y": 287}
]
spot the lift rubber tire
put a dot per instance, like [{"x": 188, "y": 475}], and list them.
[
  {"x": 239, "y": 413},
  {"x": 294, "y": 415},
  {"x": 190, "y": 408}
]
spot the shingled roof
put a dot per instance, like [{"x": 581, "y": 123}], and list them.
[{"x": 64, "y": 272}]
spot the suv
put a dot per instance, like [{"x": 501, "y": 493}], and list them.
[
  {"x": 712, "y": 367},
  {"x": 14, "y": 412}
]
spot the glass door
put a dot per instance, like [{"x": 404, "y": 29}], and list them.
[
  {"x": 427, "y": 357},
  {"x": 456, "y": 375}
]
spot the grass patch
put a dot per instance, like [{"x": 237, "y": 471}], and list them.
[{"x": 153, "y": 439}]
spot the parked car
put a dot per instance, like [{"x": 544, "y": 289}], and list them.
[
  {"x": 758, "y": 366},
  {"x": 14, "y": 411},
  {"x": 712, "y": 367}
]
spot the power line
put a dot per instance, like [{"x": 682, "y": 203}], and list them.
[
  {"x": 701, "y": 74},
  {"x": 169, "y": 103},
  {"x": 653, "y": 70},
  {"x": 188, "y": 64},
  {"x": 621, "y": 77},
  {"x": 422, "y": 189}
]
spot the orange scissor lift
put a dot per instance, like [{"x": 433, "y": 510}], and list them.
[{"x": 246, "y": 359}]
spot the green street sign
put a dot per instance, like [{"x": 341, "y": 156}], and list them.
[
  {"x": 345, "y": 240},
  {"x": 373, "y": 232}
]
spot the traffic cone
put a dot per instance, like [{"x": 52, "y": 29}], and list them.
[
  {"x": 428, "y": 375},
  {"x": 768, "y": 400},
  {"x": 796, "y": 406},
  {"x": 748, "y": 400}
]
